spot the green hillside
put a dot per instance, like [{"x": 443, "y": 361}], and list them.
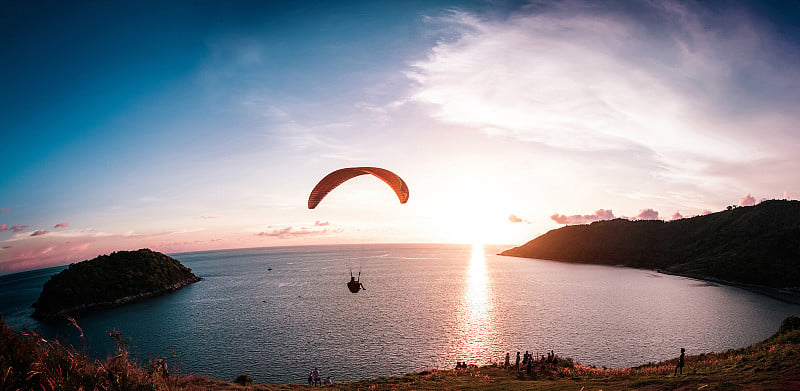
[
  {"x": 758, "y": 245},
  {"x": 111, "y": 280}
]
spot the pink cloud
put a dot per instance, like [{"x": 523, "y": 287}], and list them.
[
  {"x": 5, "y": 210},
  {"x": 61, "y": 225},
  {"x": 294, "y": 232},
  {"x": 516, "y": 219},
  {"x": 3, "y": 227},
  {"x": 17, "y": 227},
  {"x": 600, "y": 214},
  {"x": 40, "y": 232},
  {"x": 747, "y": 200},
  {"x": 677, "y": 216},
  {"x": 206, "y": 217},
  {"x": 647, "y": 214},
  {"x": 322, "y": 223}
]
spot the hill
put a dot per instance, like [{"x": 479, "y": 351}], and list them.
[
  {"x": 756, "y": 245},
  {"x": 111, "y": 280}
]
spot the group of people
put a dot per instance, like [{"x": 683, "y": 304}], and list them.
[
  {"x": 315, "y": 380},
  {"x": 528, "y": 362}
]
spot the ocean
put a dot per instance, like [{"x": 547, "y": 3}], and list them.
[{"x": 425, "y": 306}]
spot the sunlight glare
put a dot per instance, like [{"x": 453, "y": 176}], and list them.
[{"x": 477, "y": 326}]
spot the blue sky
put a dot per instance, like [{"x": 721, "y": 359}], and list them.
[{"x": 200, "y": 125}]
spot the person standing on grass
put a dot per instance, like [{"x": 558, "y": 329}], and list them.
[
  {"x": 679, "y": 365},
  {"x": 315, "y": 373}
]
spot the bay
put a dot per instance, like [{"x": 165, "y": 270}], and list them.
[{"x": 425, "y": 306}]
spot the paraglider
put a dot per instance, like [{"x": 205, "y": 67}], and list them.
[
  {"x": 355, "y": 285},
  {"x": 336, "y": 178}
]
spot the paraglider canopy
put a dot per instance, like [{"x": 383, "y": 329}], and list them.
[{"x": 336, "y": 178}]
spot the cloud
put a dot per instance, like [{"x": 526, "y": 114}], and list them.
[
  {"x": 677, "y": 216},
  {"x": 679, "y": 83},
  {"x": 292, "y": 232},
  {"x": 516, "y": 219},
  {"x": 40, "y": 232},
  {"x": 61, "y": 225},
  {"x": 647, "y": 214},
  {"x": 600, "y": 214},
  {"x": 747, "y": 200},
  {"x": 207, "y": 217},
  {"x": 5, "y": 210},
  {"x": 322, "y": 223},
  {"x": 3, "y": 227},
  {"x": 18, "y": 228}
]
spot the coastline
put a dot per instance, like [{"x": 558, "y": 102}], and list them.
[
  {"x": 89, "y": 307},
  {"x": 773, "y": 364},
  {"x": 791, "y": 296}
]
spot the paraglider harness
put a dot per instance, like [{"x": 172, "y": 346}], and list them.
[{"x": 354, "y": 285}]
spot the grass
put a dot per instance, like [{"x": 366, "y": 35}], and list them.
[{"x": 29, "y": 362}]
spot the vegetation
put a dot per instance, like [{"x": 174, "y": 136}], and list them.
[
  {"x": 110, "y": 280},
  {"x": 755, "y": 245},
  {"x": 29, "y": 362}
]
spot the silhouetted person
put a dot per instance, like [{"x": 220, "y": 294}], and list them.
[
  {"x": 310, "y": 378},
  {"x": 508, "y": 358},
  {"x": 679, "y": 365},
  {"x": 517, "y": 364},
  {"x": 315, "y": 373},
  {"x": 354, "y": 285}
]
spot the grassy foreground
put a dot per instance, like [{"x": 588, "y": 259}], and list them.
[{"x": 29, "y": 362}]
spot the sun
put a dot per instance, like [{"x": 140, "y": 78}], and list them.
[{"x": 472, "y": 214}]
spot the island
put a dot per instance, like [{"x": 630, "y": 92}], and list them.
[
  {"x": 111, "y": 280},
  {"x": 755, "y": 246}
]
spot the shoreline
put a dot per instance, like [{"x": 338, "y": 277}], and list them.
[
  {"x": 791, "y": 296},
  {"x": 103, "y": 305}
]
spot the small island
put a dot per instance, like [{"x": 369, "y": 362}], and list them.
[
  {"x": 111, "y": 280},
  {"x": 752, "y": 246}
]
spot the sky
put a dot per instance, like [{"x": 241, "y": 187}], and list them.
[{"x": 190, "y": 126}]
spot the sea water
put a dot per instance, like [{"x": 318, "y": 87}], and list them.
[{"x": 425, "y": 306}]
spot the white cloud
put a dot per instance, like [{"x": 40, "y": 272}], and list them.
[{"x": 577, "y": 79}]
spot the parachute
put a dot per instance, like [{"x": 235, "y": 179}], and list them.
[{"x": 336, "y": 178}]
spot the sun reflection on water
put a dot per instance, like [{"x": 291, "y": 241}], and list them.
[{"x": 477, "y": 323}]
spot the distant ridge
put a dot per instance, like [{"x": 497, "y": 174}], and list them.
[
  {"x": 111, "y": 280},
  {"x": 755, "y": 245}
]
